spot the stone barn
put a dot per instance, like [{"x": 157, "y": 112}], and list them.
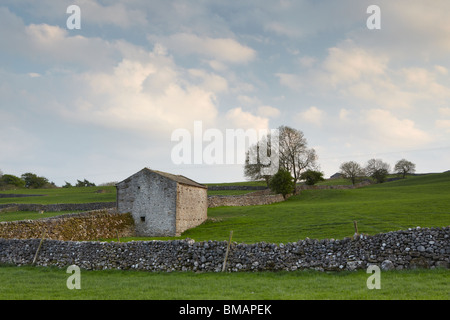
[{"x": 162, "y": 204}]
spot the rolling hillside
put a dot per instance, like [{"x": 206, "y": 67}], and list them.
[{"x": 416, "y": 201}]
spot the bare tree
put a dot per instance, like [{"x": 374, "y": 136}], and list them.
[
  {"x": 253, "y": 169},
  {"x": 404, "y": 167},
  {"x": 294, "y": 155},
  {"x": 290, "y": 151},
  {"x": 261, "y": 159},
  {"x": 377, "y": 169},
  {"x": 352, "y": 171}
]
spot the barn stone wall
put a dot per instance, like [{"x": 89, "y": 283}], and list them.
[
  {"x": 192, "y": 207},
  {"x": 151, "y": 199}
]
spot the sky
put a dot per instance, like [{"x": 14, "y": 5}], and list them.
[{"x": 102, "y": 101}]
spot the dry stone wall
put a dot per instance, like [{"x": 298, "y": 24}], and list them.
[
  {"x": 220, "y": 188},
  {"x": 244, "y": 200},
  {"x": 91, "y": 225},
  {"x": 413, "y": 248}
]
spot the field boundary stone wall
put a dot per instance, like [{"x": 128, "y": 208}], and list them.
[
  {"x": 260, "y": 196},
  {"x": 90, "y": 225},
  {"x": 405, "y": 249},
  {"x": 265, "y": 196},
  {"x": 234, "y": 188},
  {"x": 250, "y": 199}
]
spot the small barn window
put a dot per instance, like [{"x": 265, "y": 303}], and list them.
[{"x": 142, "y": 219}]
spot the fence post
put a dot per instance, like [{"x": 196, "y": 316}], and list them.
[
  {"x": 226, "y": 254},
  {"x": 39, "y": 247}
]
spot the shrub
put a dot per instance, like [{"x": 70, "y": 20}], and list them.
[
  {"x": 311, "y": 177},
  {"x": 282, "y": 182}
]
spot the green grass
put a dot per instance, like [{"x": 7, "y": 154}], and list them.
[
  {"x": 30, "y": 215},
  {"x": 63, "y": 195},
  {"x": 91, "y": 194},
  {"x": 416, "y": 201},
  {"x": 319, "y": 214},
  {"x": 50, "y": 283}
]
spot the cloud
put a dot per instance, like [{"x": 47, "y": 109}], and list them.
[
  {"x": 386, "y": 130},
  {"x": 150, "y": 95},
  {"x": 245, "y": 120},
  {"x": 18, "y": 145},
  {"x": 345, "y": 64},
  {"x": 219, "y": 49},
  {"x": 344, "y": 114},
  {"x": 445, "y": 111},
  {"x": 441, "y": 70},
  {"x": 443, "y": 124},
  {"x": 291, "y": 31},
  {"x": 349, "y": 63},
  {"x": 116, "y": 14},
  {"x": 268, "y": 111},
  {"x": 292, "y": 81},
  {"x": 51, "y": 46},
  {"x": 312, "y": 115},
  {"x": 307, "y": 61},
  {"x": 370, "y": 79},
  {"x": 210, "y": 81}
]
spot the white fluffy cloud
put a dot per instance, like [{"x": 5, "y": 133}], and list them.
[
  {"x": 349, "y": 63},
  {"x": 151, "y": 96},
  {"x": 52, "y": 46},
  {"x": 138, "y": 70},
  {"x": 241, "y": 119},
  {"x": 387, "y": 130}
]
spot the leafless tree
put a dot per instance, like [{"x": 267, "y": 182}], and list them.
[
  {"x": 291, "y": 151},
  {"x": 294, "y": 154},
  {"x": 352, "y": 171},
  {"x": 259, "y": 159}
]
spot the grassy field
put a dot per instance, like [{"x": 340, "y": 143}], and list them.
[
  {"x": 417, "y": 201},
  {"x": 63, "y": 195},
  {"x": 319, "y": 214},
  {"x": 50, "y": 283}
]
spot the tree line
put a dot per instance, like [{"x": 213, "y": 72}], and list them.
[
  {"x": 376, "y": 169},
  {"x": 33, "y": 181},
  {"x": 297, "y": 162}
]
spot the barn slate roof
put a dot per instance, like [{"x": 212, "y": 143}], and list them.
[{"x": 177, "y": 178}]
